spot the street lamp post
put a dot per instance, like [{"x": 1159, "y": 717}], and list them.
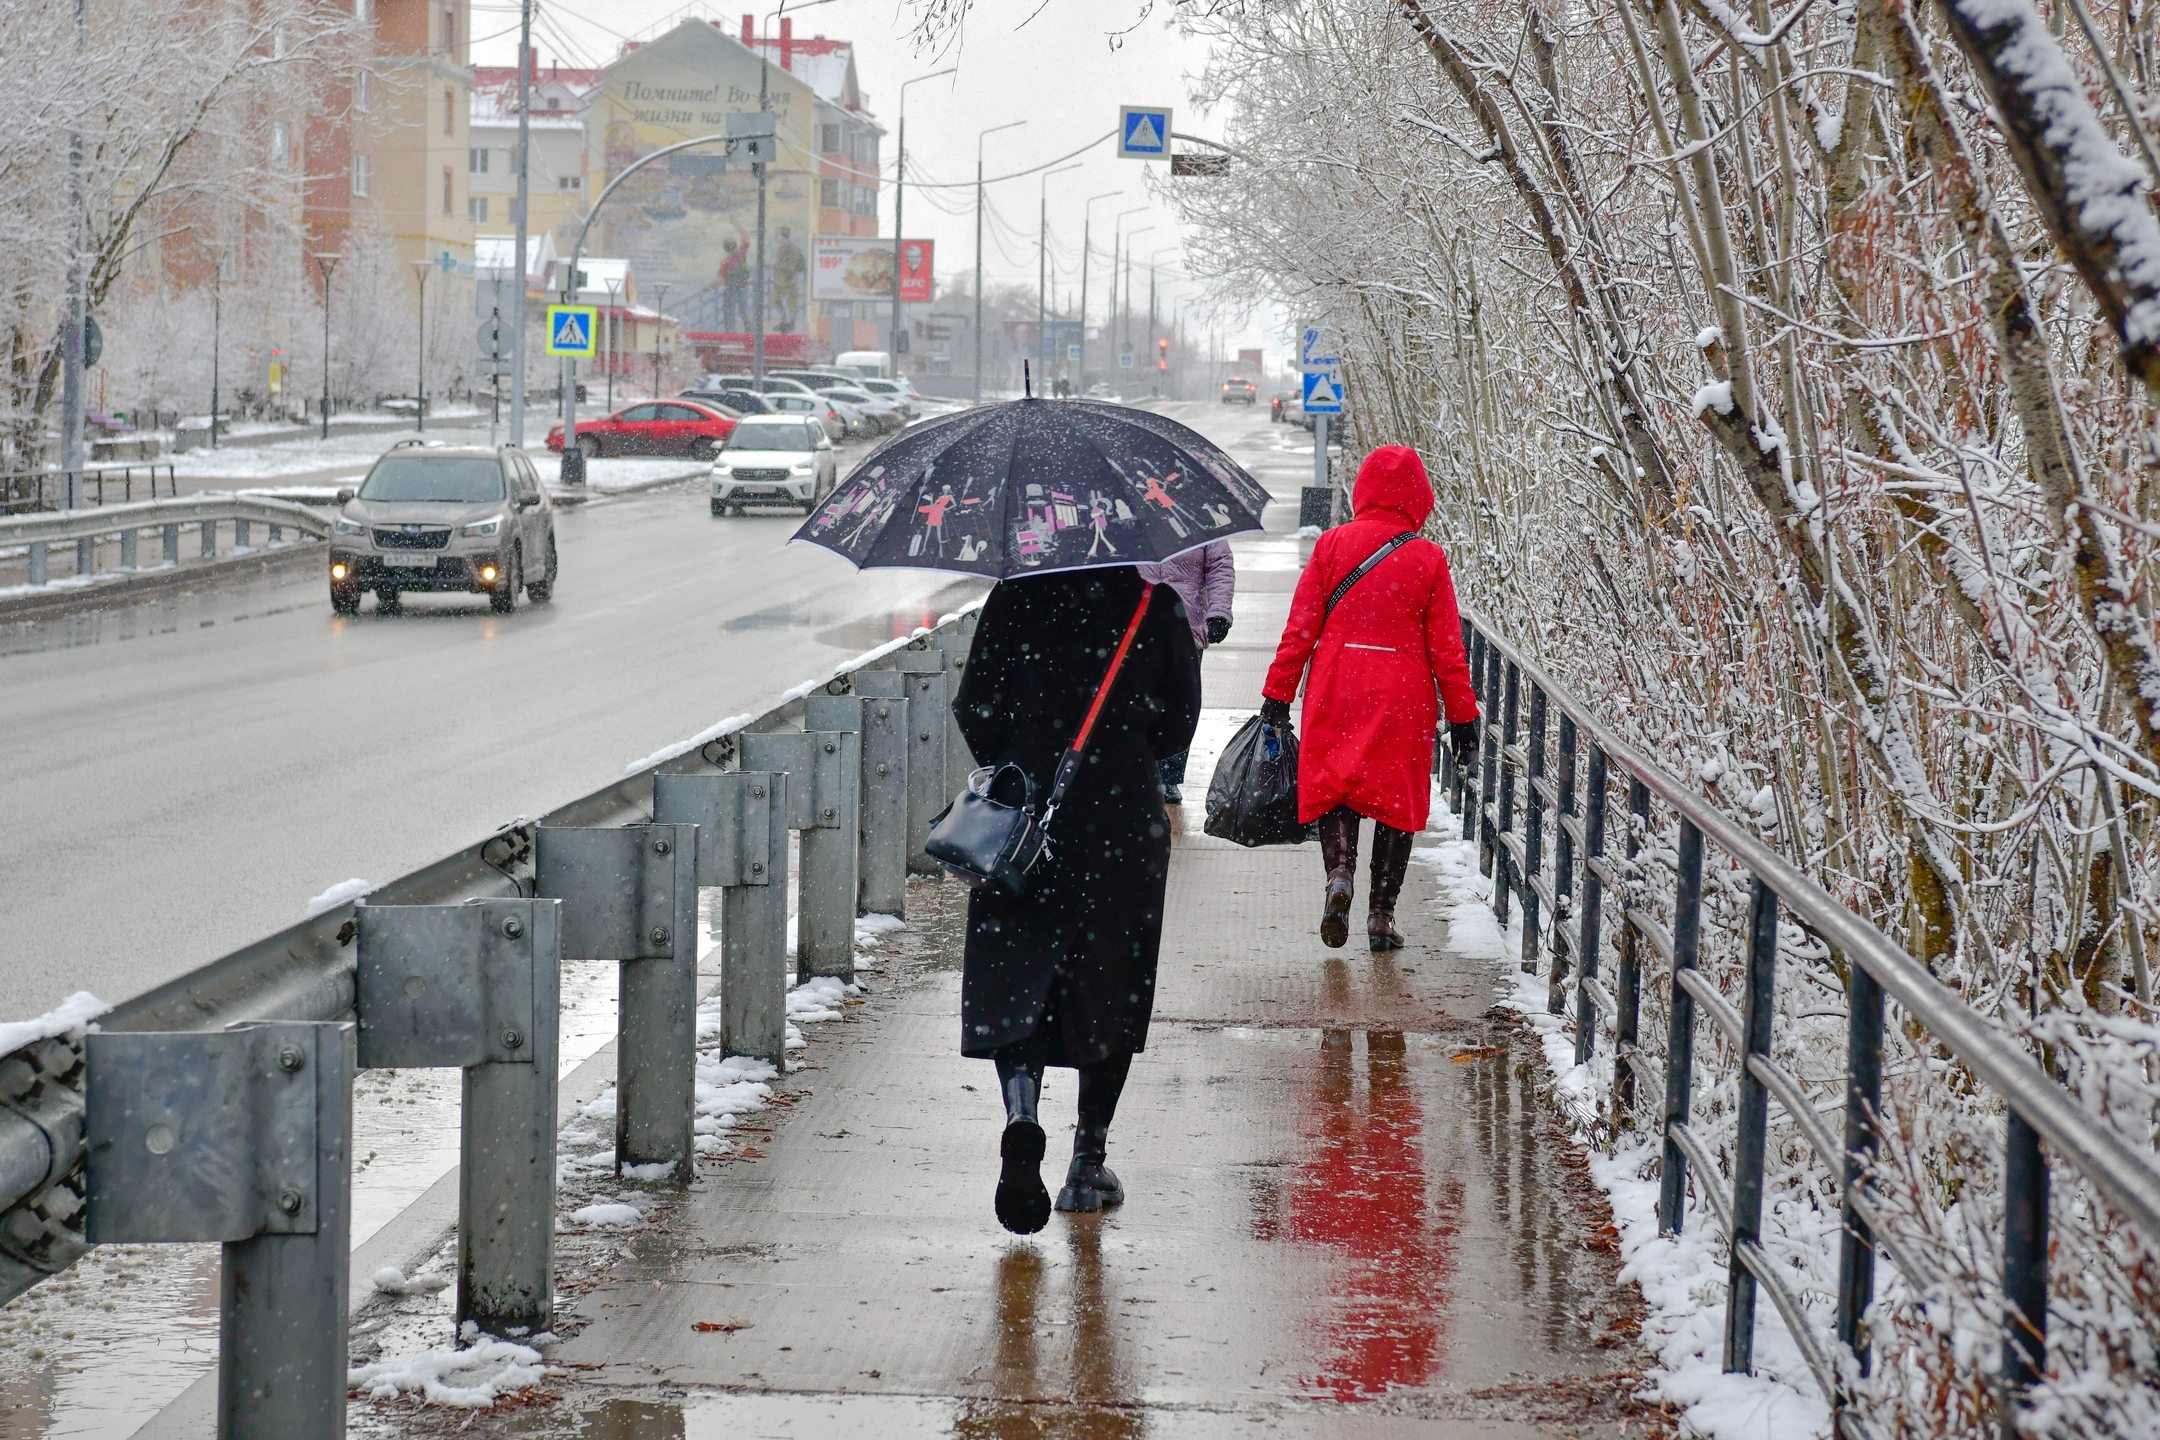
[
  {"x": 758, "y": 168},
  {"x": 520, "y": 204},
  {"x": 420, "y": 268},
  {"x": 609, "y": 327},
  {"x": 1110, "y": 313},
  {"x": 217, "y": 339},
  {"x": 1008, "y": 125},
  {"x": 1042, "y": 271},
  {"x": 327, "y": 264},
  {"x": 660, "y": 290},
  {"x": 1087, "y": 221},
  {"x": 899, "y": 198},
  {"x": 1126, "y": 311}
]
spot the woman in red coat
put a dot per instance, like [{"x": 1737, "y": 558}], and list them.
[{"x": 1392, "y": 642}]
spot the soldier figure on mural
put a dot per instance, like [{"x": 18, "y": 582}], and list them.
[
  {"x": 788, "y": 269},
  {"x": 735, "y": 289}
]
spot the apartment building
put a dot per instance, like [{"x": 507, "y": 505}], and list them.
[{"x": 561, "y": 150}]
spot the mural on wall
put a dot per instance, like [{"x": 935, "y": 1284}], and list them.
[{"x": 690, "y": 221}]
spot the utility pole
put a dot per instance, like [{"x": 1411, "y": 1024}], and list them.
[
  {"x": 1087, "y": 221},
  {"x": 609, "y": 328},
  {"x": 78, "y": 301},
  {"x": 660, "y": 290},
  {"x": 896, "y": 341},
  {"x": 217, "y": 340},
  {"x": 984, "y": 135},
  {"x": 1042, "y": 273},
  {"x": 420, "y": 268},
  {"x": 327, "y": 264},
  {"x": 757, "y": 269},
  {"x": 519, "y": 206}
]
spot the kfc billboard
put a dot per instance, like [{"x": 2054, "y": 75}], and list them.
[{"x": 848, "y": 267}]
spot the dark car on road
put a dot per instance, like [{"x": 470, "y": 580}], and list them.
[
  {"x": 741, "y": 402},
  {"x": 655, "y": 427},
  {"x": 456, "y": 518}
]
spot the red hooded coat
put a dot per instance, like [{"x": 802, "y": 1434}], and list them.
[{"x": 1370, "y": 706}]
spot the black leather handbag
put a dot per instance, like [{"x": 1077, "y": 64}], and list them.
[{"x": 991, "y": 834}]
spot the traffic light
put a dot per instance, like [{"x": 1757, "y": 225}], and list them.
[{"x": 1162, "y": 353}]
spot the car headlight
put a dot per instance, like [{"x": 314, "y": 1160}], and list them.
[
  {"x": 346, "y": 525},
  {"x": 803, "y": 469},
  {"x": 490, "y": 526}
]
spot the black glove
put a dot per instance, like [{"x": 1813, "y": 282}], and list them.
[
  {"x": 1218, "y": 629},
  {"x": 1462, "y": 740},
  {"x": 1276, "y": 713}
]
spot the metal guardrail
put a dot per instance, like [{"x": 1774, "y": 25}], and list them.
[
  {"x": 34, "y": 490},
  {"x": 217, "y": 1106},
  {"x": 90, "y": 524},
  {"x": 1537, "y": 740}
]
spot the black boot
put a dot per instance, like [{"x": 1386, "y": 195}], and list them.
[
  {"x": 1023, "y": 1205},
  {"x": 1390, "y": 863},
  {"x": 1338, "y": 851},
  {"x": 1091, "y": 1185}
]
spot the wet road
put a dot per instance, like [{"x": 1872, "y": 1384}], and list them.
[{"x": 180, "y": 776}]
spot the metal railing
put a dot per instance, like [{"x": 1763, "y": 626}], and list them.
[
  {"x": 218, "y": 1106},
  {"x": 32, "y": 490},
  {"x": 87, "y": 526},
  {"x": 1538, "y": 803}
]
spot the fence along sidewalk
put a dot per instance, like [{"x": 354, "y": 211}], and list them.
[
  {"x": 219, "y": 1106},
  {"x": 1513, "y": 850}
]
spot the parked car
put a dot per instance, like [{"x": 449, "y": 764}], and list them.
[
  {"x": 882, "y": 414},
  {"x": 653, "y": 427},
  {"x": 827, "y": 414},
  {"x": 904, "y": 400},
  {"x": 774, "y": 460},
  {"x": 737, "y": 403},
  {"x": 771, "y": 385},
  {"x": 1237, "y": 390},
  {"x": 443, "y": 517}
]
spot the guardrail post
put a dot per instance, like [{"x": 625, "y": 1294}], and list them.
[
  {"x": 630, "y": 894},
  {"x": 1627, "y": 1034},
  {"x": 1587, "y": 938},
  {"x": 959, "y": 760},
  {"x": 857, "y": 714},
  {"x": 478, "y": 987},
  {"x": 1534, "y": 836},
  {"x": 1563, "y": 875},
  {"x": 741, "y": 820},
  {"x": 1756, "y": 1010},
  {"x": 1863, "y": 1101},
  {"x": 881, "y": 872},
  {"x": 277, "y": 534},
  {"x": 1680, "y": 1035},
  {"x": 929, "y": 709},
  {"x": 127, "y": 548},
  {"x": 242, "y": 1136},
  {"x": 1504, "y": 878},
  {"x": 86, "y": 555},
  {"x": 2025, "y": 1244},
  {"x": 240, "y": 534},
  {"x": 37, "y": 562},
  {"x": 172, "y": 544},
  {"x": 209, "y": 539},
  {"x": 1488, "y": 757},
  {"x": 1466, "y": 778},
  {"x": 824, "y": 775}
]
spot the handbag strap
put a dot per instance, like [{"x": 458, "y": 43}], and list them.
[
  {"x": 1070, "y": 762},
  {"x": 1365, "y": 567}
]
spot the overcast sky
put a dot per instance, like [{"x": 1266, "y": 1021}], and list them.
[{"x": 1056, "y": 71}]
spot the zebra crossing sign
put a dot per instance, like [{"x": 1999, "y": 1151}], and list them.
[
  {"x": 572, "y": 331},
  {"x": 1143, "y": 132}
]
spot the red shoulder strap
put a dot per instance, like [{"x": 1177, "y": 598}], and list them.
[{"x": 1117, "y": 662}]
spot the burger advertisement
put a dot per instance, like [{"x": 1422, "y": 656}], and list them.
[{"x": 850, "y": 267}]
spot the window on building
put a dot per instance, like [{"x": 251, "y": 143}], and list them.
[
  {"x": 864, "y": 150},
  {"x": 554, "y": 102},
  {"x": 280, "y": 144},
  {"x": 363, "y": 9},
  {"x": 449, "y": 190},
  {"x": 361, "y": 166},
  {"x": 476, "y": 161},
  {"x": 828, "y": 194},
  {"x": 570, "y": 182},
  {"x": 449, "y": 29},
  {"x": 866, "y": 199},
  {"x": 829, "y": 139},
  {"x": 360, "y": 84},
  {"x": 449, "y": 111},
  {"x": 477, "y": 207}
]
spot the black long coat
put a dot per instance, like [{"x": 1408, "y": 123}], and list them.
[{"x": 1080, "y": 946}]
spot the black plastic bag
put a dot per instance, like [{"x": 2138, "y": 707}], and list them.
[{"x": 1253, "y": 798}]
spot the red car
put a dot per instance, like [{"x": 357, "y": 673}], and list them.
[{"x": 654, "y": 427}]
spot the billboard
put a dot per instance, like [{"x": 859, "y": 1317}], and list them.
[{"x": 859, "y": 267}]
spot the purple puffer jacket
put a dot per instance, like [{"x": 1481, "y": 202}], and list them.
[{"x": 1204, "y": 578}]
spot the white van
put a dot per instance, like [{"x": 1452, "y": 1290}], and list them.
[{"x": 871, "y": 364}]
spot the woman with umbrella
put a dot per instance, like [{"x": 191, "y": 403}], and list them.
[{"x": 1059, "y": 501}]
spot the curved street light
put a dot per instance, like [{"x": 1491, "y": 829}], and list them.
[
  {"x": 984, "y": 135},
  {"x": 899, "y": 201},
  {"x": 1042, "y": 260},
  {"x": 1087, "y": 220}
]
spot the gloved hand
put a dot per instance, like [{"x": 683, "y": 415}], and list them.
[
  {"x": 1218, "y": 629},
  {"x": 1463, "y": 743},
  {"x": 1276, "y": 713}
]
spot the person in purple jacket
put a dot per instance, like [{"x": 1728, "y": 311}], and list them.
[{"x": 1205, "y": 580}]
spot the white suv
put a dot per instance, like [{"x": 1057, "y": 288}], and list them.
[{"x": 774, "y": 460}]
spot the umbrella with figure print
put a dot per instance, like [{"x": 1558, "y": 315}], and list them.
[{"x": 1034, "y": 485}]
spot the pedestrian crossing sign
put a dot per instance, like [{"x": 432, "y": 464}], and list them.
[
  {"x": 1323, "y": 392},
  {"x": 571, "y": 331},
  {"x": 1143, "y": 132}
]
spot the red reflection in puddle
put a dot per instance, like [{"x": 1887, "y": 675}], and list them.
[{"x": 1360, "y": 1194}]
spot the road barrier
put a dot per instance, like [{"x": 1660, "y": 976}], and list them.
[
  {"x": 88, "y": 526},
  {"x": 33, "y": 490},
  {"x": 218, "y": 1106},
  {"x": 1538, "y": 737}
]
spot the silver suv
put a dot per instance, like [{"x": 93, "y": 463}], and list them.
[{"x": 444, "y": 517}]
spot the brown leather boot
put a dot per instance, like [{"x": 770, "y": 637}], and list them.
[
  {"x": 1338, "y": 850},
  {"x": 1390, "y": 863}
]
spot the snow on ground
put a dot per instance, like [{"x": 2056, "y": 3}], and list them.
[
  {"x": 615, "y": 477},
  {"x": 390, "y": 1280},
  {"x": 473, "y": 1378},
  {"x": 609, "y": 1216},
  {"x": 297, "y": 456},
  {"x": 1682, "y": 1277}
]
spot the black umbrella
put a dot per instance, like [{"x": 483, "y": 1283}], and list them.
[{"x": 1034, "y": 485}]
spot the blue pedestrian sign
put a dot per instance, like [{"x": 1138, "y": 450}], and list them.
[
  {"x": 572, "y": 331},
  {"x": 1143, "y": 132},
  {"x": 1323, "y": 392}
]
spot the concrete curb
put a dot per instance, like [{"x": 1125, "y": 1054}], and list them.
[
  {"x": 125, "y": 587},
  {"x": 585, "y": 495}
]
